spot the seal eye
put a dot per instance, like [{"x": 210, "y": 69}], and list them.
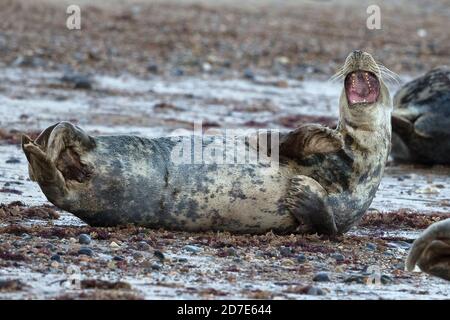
[{"x": 361, "y": 87}]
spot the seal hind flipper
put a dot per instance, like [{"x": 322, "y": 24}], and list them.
[
  {"x": 54, "y": 158},
  {"x": 43, "y": 170},
  {"x": 306, "y": 200},
  {"x": 431, "y": 251},
  {"x": 309, "y": 139},
  {"x": 432, "y": 126}
]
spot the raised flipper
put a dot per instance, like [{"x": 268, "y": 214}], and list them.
[
  {"x": 43, "y": 170},
  {"x": 307, "y": 201},
  {"x": 431, "y": 251},
  {"x": 54, "y": 158},
  {"x": 310, "y": 139}
]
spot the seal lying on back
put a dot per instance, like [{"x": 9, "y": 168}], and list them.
[
  {"x": 324, "y": 182},
  {"x": 421, "y": 119},
  {"x": 431, "y": 251}
]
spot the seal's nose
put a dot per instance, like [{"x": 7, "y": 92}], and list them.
[{"x": 357, "y": 53}]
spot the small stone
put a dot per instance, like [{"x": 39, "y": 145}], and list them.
[
  {"x": 206, "y": 67},
  {"x": 159, "y": 255},
  {"x": 138, "y": 256},
  {"x": 399, "y": 245},
  {"x": 285, "y": 251},
  {"x": 371, "y": 246},
  {"x": 191, "y": 248},
  {"x": 231, "y": 252},
  {"x": 50, "y": 246},
  {"x": 338, "y": 257},
  {"x": 54, "y": 264},
  {"x": 152, "y": 67},
  {"x": 57, "y": 258},
  {"x": 118, "y": 258},
  {"x": 321, "y": 277},
  {"x": 13, "y": 160},
  {"x": 182, "y": 260},
  {"x": 156, "y": 267},
  {"x": 314, "y": 291},
  {"x": 114, "y": 245},
  {"x": 385, "y": 279},
  {"x": 84, "y": 239},
  {"x": 301, "y": 258},
  {"x": 79, "y": 81},
  {"x": 86, "y": 251},
  {"x": 26, "y": 236},
  {"x": 248, "y": 74},
  {"x": 178, "y": 72},
  {"x": 400, "y": 266},
  {"x": 143, "y": 246}
]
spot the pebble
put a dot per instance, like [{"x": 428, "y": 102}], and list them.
[
  {"x": 138, "y": 256},
  {"x": 156, "y": 267},
  {"x": 143, "y": 246},
  {"x": 399, "y": 245},
  {"x": 159, "y": 255},
  {"x": 182, "y": 260},
  {"x": 314, "y": 291},
  {"x": 114, "y": 245},
  {"x": 152, "y": 67},
  {"x": 338, "y": 257},
  {"x": 86, "y": 251},
  {"x": 54, "y": 264},
  {"x": 285, "y": 251},
  {"x": 231, "y": 252},
  {"x": 50, "y": 246},
  {"x": 301, "y": 258},
  {"x": 79, "y": 81},
  {"x": 13, "y": 160},
  {"x": 118, "y": 258},
  {"x": 191, "y": 248},
  {"x": 371, "y": 246},
  {"x": 248, "y": 74},
  {"x": 178, "y": 72},
  {"x": 321, "y": 277},
  {"x": 26, "y": 236},
  {"x": 57, "y": 258},
  {"x": 84, "y": 239},
  {"x": 400, "y": 266}
]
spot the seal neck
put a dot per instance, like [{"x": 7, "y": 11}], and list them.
[{"x": 366, "y": 124}]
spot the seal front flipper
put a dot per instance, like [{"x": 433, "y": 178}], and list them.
[
  {"x": 431, "y": 251},
  {"x": 306, "y": 200},
  {"x": 309, "y": 139}
]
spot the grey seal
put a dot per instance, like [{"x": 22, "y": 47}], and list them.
[
  {"x": 421, "y": 119},
  {"x": 431, "y": 251},
  {"x": 324, "y": 180}
]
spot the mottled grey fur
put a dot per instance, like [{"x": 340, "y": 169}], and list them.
[{"x": 421, "y": 119}]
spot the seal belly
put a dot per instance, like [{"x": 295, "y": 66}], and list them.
[{"x": 135, "y": 181}]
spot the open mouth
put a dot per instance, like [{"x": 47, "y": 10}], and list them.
[{"x": 361, "y": 87}]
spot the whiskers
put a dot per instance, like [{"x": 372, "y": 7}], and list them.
[
  {"x": 376, "y": 68},
  {"x": 388, "y": 75}
]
